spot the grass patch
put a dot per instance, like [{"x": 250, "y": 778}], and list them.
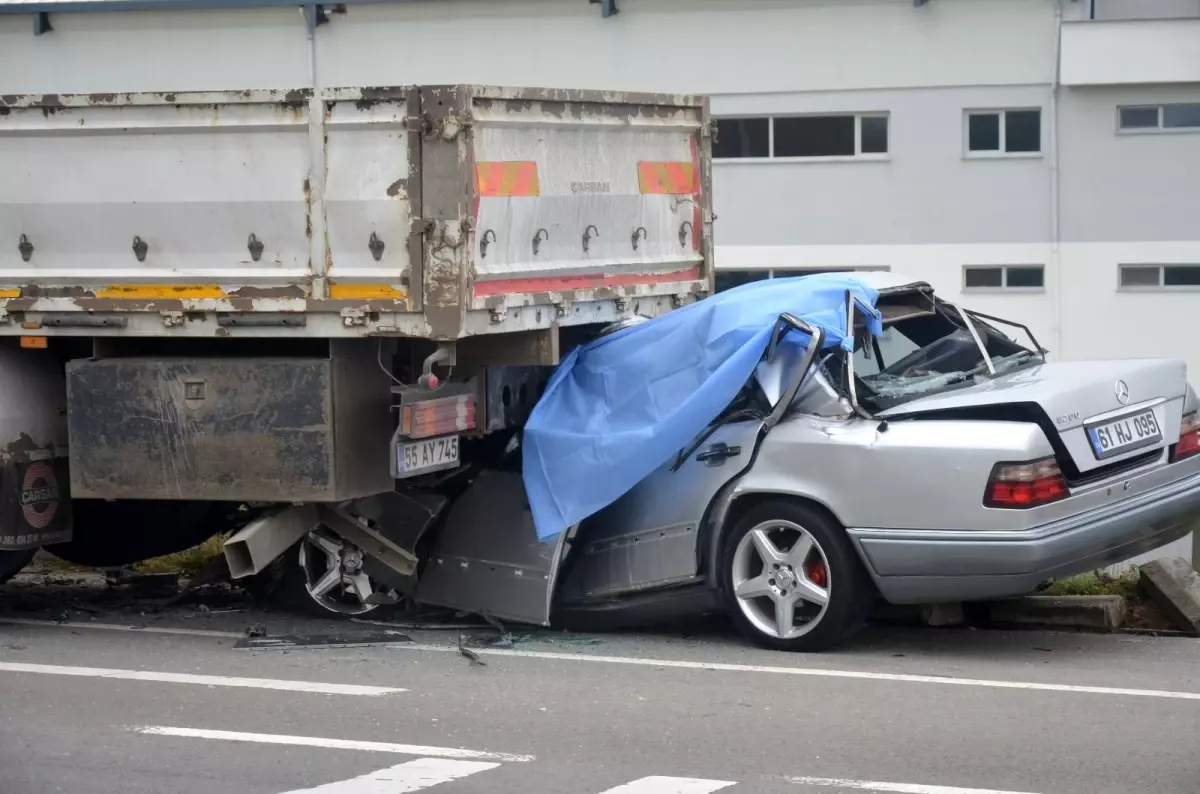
[
  {"x": 1097, "y": 583},
  {"x": 189, "y": 561}
]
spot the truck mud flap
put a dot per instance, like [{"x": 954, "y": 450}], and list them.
[
  {"x": 487, "y": 558},
  {"x": 35, "y": 503}
]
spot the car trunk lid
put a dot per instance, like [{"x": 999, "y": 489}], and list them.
[{"x": 1101, "y": 412}]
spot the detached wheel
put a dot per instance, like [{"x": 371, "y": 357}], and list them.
[
  {"x": 321, "y": 575},
  {"x": 792, "y": 580},
  {"x": 11, "y": 563}
]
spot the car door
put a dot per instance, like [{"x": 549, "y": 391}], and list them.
[{"x": 650, "y": 537}]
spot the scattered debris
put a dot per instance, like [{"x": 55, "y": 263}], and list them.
[
  {"x": 81, "y": 608},
  {"x": 258, "y": 630},
  {"x": 319, "y": 641},
  {"x": 149, "y": 585},
  {"x": 416, "y": 625},
  {"x": 574, "y": 639},
  {"x": 472, "y": 657}
]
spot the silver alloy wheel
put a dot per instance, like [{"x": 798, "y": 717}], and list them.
[
  {"x": 334, "y": 575},
  {"x": 781, "y": 574}
]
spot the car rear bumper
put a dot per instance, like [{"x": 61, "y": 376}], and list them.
[{"x": 919, "y": 566}]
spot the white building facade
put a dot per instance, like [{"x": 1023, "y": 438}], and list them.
[{"x": 1034, "y": 159}]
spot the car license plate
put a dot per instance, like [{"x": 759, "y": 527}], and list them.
[
  {"x": 1124, "y": 434},
  {"x": 430, "y": 454}
]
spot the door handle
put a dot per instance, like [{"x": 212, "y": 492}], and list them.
[{"x": 717, "y": 453}]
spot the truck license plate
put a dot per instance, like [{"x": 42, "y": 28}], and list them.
[
  {"x": 1125, "y": 434},
  {"x": 428, "y": 455}
]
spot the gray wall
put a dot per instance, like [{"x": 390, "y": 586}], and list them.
[
  {"x": 1133, "y": 187},
  {"x": 926, "y": 192}
]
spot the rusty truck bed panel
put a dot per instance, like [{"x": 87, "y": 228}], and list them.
[{"x": 439, "y": 212}]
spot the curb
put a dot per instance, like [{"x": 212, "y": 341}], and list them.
[{"x": 1098, "y": 613}]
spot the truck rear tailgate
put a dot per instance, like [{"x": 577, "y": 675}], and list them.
[{"x": 437, "y": 212}]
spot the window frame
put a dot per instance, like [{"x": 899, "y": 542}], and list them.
[
  {"x": 1000, "y": 154},
  {"x": 1004, "y": 287},
  {"x": 858, "y": 156},
  {"x": 1162, "y": 285},
  {"x": 1160, "y": 129}
]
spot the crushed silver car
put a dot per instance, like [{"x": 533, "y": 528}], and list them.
[
  {"x": 942, "y": 461},
  {"x": 911, "y": 450}
]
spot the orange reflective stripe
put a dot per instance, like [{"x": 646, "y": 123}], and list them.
[
  {"x": 673, "y": 178},
  {"x": 195, "y": 291},
  {"x": 507, "y": 178},
  {"x": 10, "y": 293},
  {"x": 365, "y": 292}
]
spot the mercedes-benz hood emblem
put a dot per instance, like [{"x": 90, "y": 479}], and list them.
[{"x": 1122, "y": 391}]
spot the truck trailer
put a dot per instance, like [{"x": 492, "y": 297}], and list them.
[{"x": 315, "y": 315}]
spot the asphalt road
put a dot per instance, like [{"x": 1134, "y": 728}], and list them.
[{"x": 91, "y": 711}]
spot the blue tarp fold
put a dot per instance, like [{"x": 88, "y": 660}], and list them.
[{"x": 618, "y": 408}]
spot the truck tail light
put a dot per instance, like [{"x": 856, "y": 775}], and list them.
[
  {"x": 1189, "y": 437},
  {"x": 438, "y": 417},
  {"x": 1023, "y": 485}
]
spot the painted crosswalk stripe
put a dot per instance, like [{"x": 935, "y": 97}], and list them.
[
  {"x": 895, "y": 788},
  {"x": 411, "y": 776},
  {"x": 670, "y": 785},
  {"x": 333, "y": 744},
  {"x": 202, "y": 680}
]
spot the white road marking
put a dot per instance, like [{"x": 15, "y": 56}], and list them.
[
  {"x": 202, "y": 680},
  {"x": 816, "y": 672},
  {"x": 334, "y": 744},
  {"x": 895, "y": 788},
  {"x": 412, "y": 776},
  {"x": 719, "y": 666},
  {"x": 670, "y": 785}
]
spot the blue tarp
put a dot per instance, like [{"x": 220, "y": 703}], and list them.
[{"x": 618, "y": 408}]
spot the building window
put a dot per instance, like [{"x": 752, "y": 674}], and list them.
[
  {"x": 728, "y": 279},
  {"x": 1134, "y": 276},
  {"x": 743, "y": 138},
  {"x": 1001, "y": 132},
  {"x": 1004, "y": 277},
  {"x": 847, "y": 135},
  {"x": 1179, "y": 116}
]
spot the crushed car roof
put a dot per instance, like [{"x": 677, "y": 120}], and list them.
[{"x": 623, "y": 405}]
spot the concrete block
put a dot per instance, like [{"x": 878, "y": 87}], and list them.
[
  {"x": 1104, "y": 613},
  {"x": 1174, "y": 586},
  {"x": 943, "y": 615}
]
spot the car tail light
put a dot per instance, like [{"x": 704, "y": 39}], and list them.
[
  {"x": 1189, "y": 437},
  {"x": 1023, "y": 485},
  {"x": 438, "y": 417}
]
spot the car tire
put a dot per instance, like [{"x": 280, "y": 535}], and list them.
[
  {"x": 11, "y": 563},
  {"x": 830, "y": 565}
]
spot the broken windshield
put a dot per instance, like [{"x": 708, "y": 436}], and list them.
[{"x": 921, "y": 354}]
